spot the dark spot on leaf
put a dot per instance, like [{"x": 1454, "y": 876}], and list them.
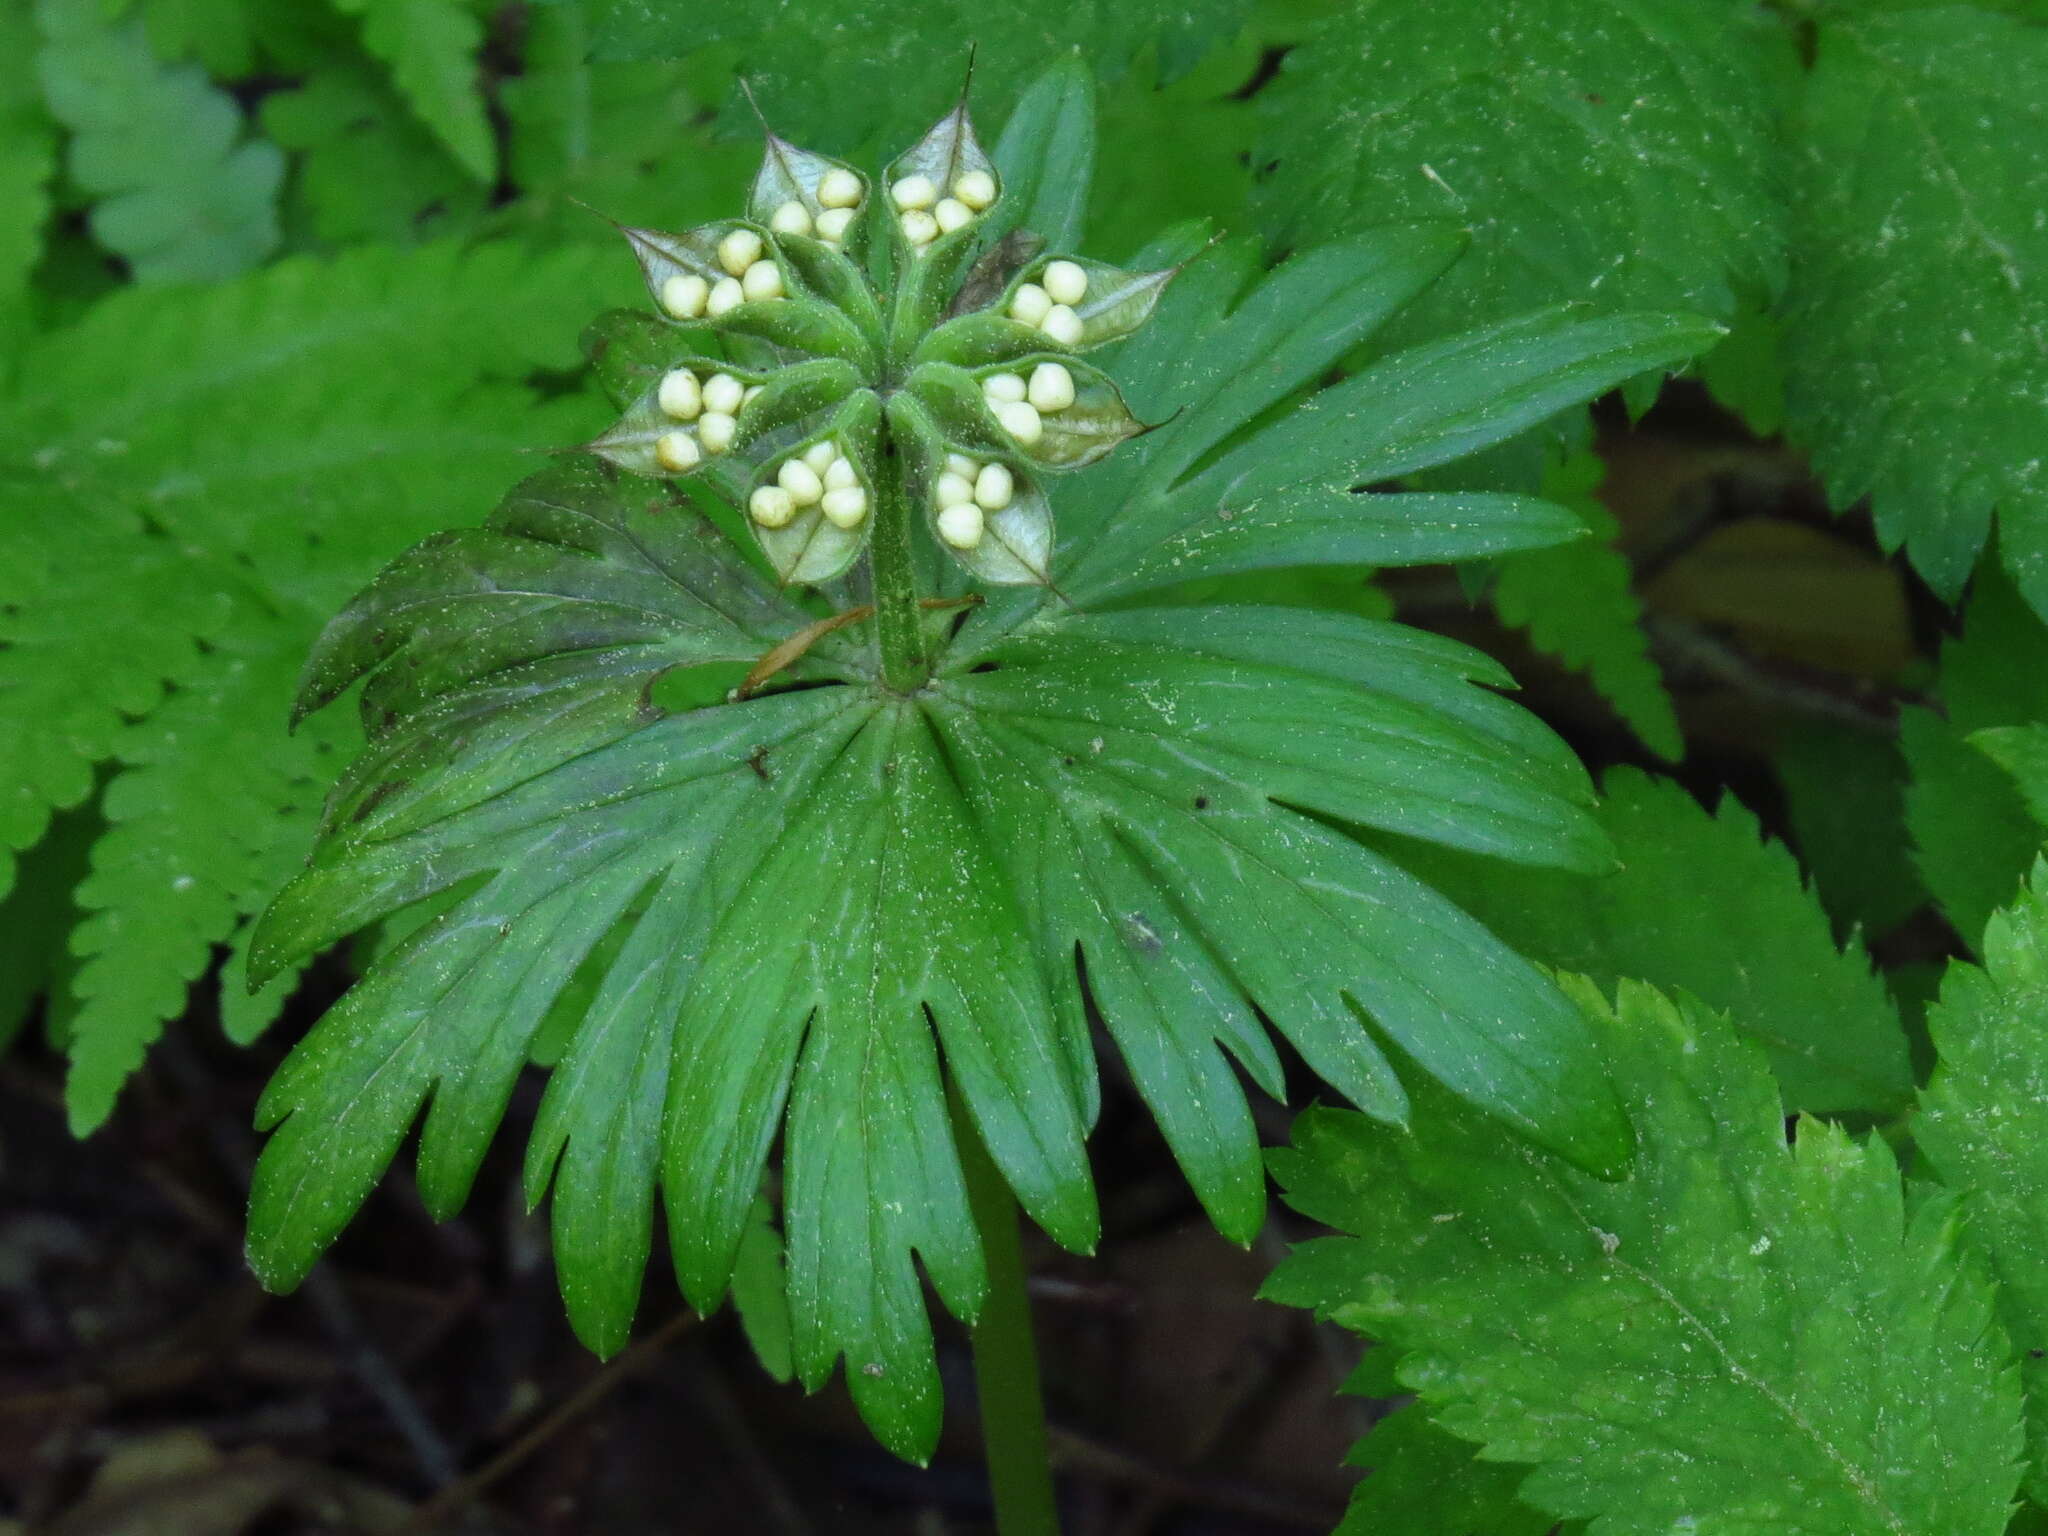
[
  {"x": 1067, "y": 761},
  {"x": 504, "y": 930},
  {"x": 759, "y": 763},
  {"x": 1201, "y": 802},
  {"x": 1596, "y": 98}
]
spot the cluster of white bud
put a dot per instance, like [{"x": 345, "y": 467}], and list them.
[
  {"x": 1048, "y": 304},
  {"x": 965, "y": 492},
  {"x": 925, "y": 215},
  {"x": 1020, "y": 403},
  {"x": 839, "y": 195},
  {"x": 752, "y": 277},
  {"x": 822, "y": 476},
  {"x": 711, "y": 405}
]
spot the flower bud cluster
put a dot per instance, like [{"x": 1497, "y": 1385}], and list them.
[{"x": 825, "y": 369}]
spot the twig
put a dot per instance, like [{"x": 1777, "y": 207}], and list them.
[{"x": 615, "y": 1374}]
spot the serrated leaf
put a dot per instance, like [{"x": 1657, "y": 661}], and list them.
[
  {"x": 177, "y": 189},
  {"x": 1621, "y": 152},
  {"x": 1982, "y": 1126},
  {"x": 897, "y": 59},
  {"x": 431, "y": 47},
  {"x": 1701, "y": 902},
  {"x": 245, "y": 491},
  {"x": 66, "y": 566},
  {"x": 1578, "y": 604},
  {"x": 1742, "y": 1335},
  {"x": 1423, "y": 1482},
  {"x": 1972, "y": 837},
  {"x": 182, "y": 863},
  {"x": 627, "y": 137},
  {"x": 1916, "y": 345},
  {"x": 367, "y": 169}
]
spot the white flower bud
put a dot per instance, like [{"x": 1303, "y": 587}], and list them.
[
  {"x": 846, "y": 507},
  {"x": 723, "y": 392},
  {"x": 952, "y": 489},
  {"x": 914, "y": 192},
  {"x": 1020, "y": 421},
  {"x": 772, "y": 506},
  {"x": 739, "y": 250},
  {"x": 820, "y": 455},
  {"x": 747, "y": 396},
  {"x": 676, "y": 452},
  {"x": 1062, "y": 325},
  {"x": 1065, "y": 282},
  {"x": 763, "y": 281},
  {"x": 977, "y": 189},
  {"x": 833, "y": 223},
  {"x": 1052, "y": 387},
  {"x": 792, "y": 218},
  {"x": 839, "y": 188},
  {"x": 715, "y": 430},
  {"x": 998, "y": 387},
  {"x": 679, "y": 395},
  {"x": 726, "y": 295},
  {"x": 960, "y": 464},
  {"x": 994, "y": 487},
  {"x": 1029, "y": 304},
  {"x": 684, "y": 295},
  {"x": 800, "y": 480},
  {"x": 960, "y": 525},
  {"x": 840, "y": 474},
  {"x": 920, "y": 228},
  {"x": 952, "y": 214}
]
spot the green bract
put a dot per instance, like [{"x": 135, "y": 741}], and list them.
[{"x": 939, "y": 836}]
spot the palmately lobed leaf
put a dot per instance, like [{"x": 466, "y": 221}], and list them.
[
  {"x": 1741, "y": 1335},
  {"x": 806, "y": 917}
]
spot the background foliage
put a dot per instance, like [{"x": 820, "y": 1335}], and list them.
[{"x": 289, "y": 285}]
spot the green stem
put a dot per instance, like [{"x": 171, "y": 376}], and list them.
[
  {"x": 899, "y": 625},
  {"x": 1005, "y": 1358}
]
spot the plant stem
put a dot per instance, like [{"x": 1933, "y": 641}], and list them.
[
  {"x": 899, "y": 625},
  {"x": 1005, "y": 1358}
]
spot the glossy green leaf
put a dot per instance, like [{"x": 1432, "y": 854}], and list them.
[
  {"x": 1046, "y": 156},
  {"x": 1742, "y": 1335},
  {"x": 1703, "y": 903},
  {"x": 1983, "y": 1127},
  {"x": 1913, "y": 335}
]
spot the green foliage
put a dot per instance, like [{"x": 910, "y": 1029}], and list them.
[
  {"x": 1983, "y": 1124},
  {"x": 431, "y": 47},
  {"x": 289, "y": 287},
  {"x": 811, "y": 880},
  {"x": 27, "y": 158},
  {"x": 1702, "y": 903},
  {"x": 1577, "y": 603},
  {"x": 1916, "y": 344},
  {"x": 884, "y": 43},
  {"x": 143, "y": 466},
  {"x": 1424, "y": 1482},
  {"x": 1972, "y": 837},
  {"x": 1741, "y": 1335},
  {"x": 177, "y": 188},
  {"x": 1552, "y": 129}
]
